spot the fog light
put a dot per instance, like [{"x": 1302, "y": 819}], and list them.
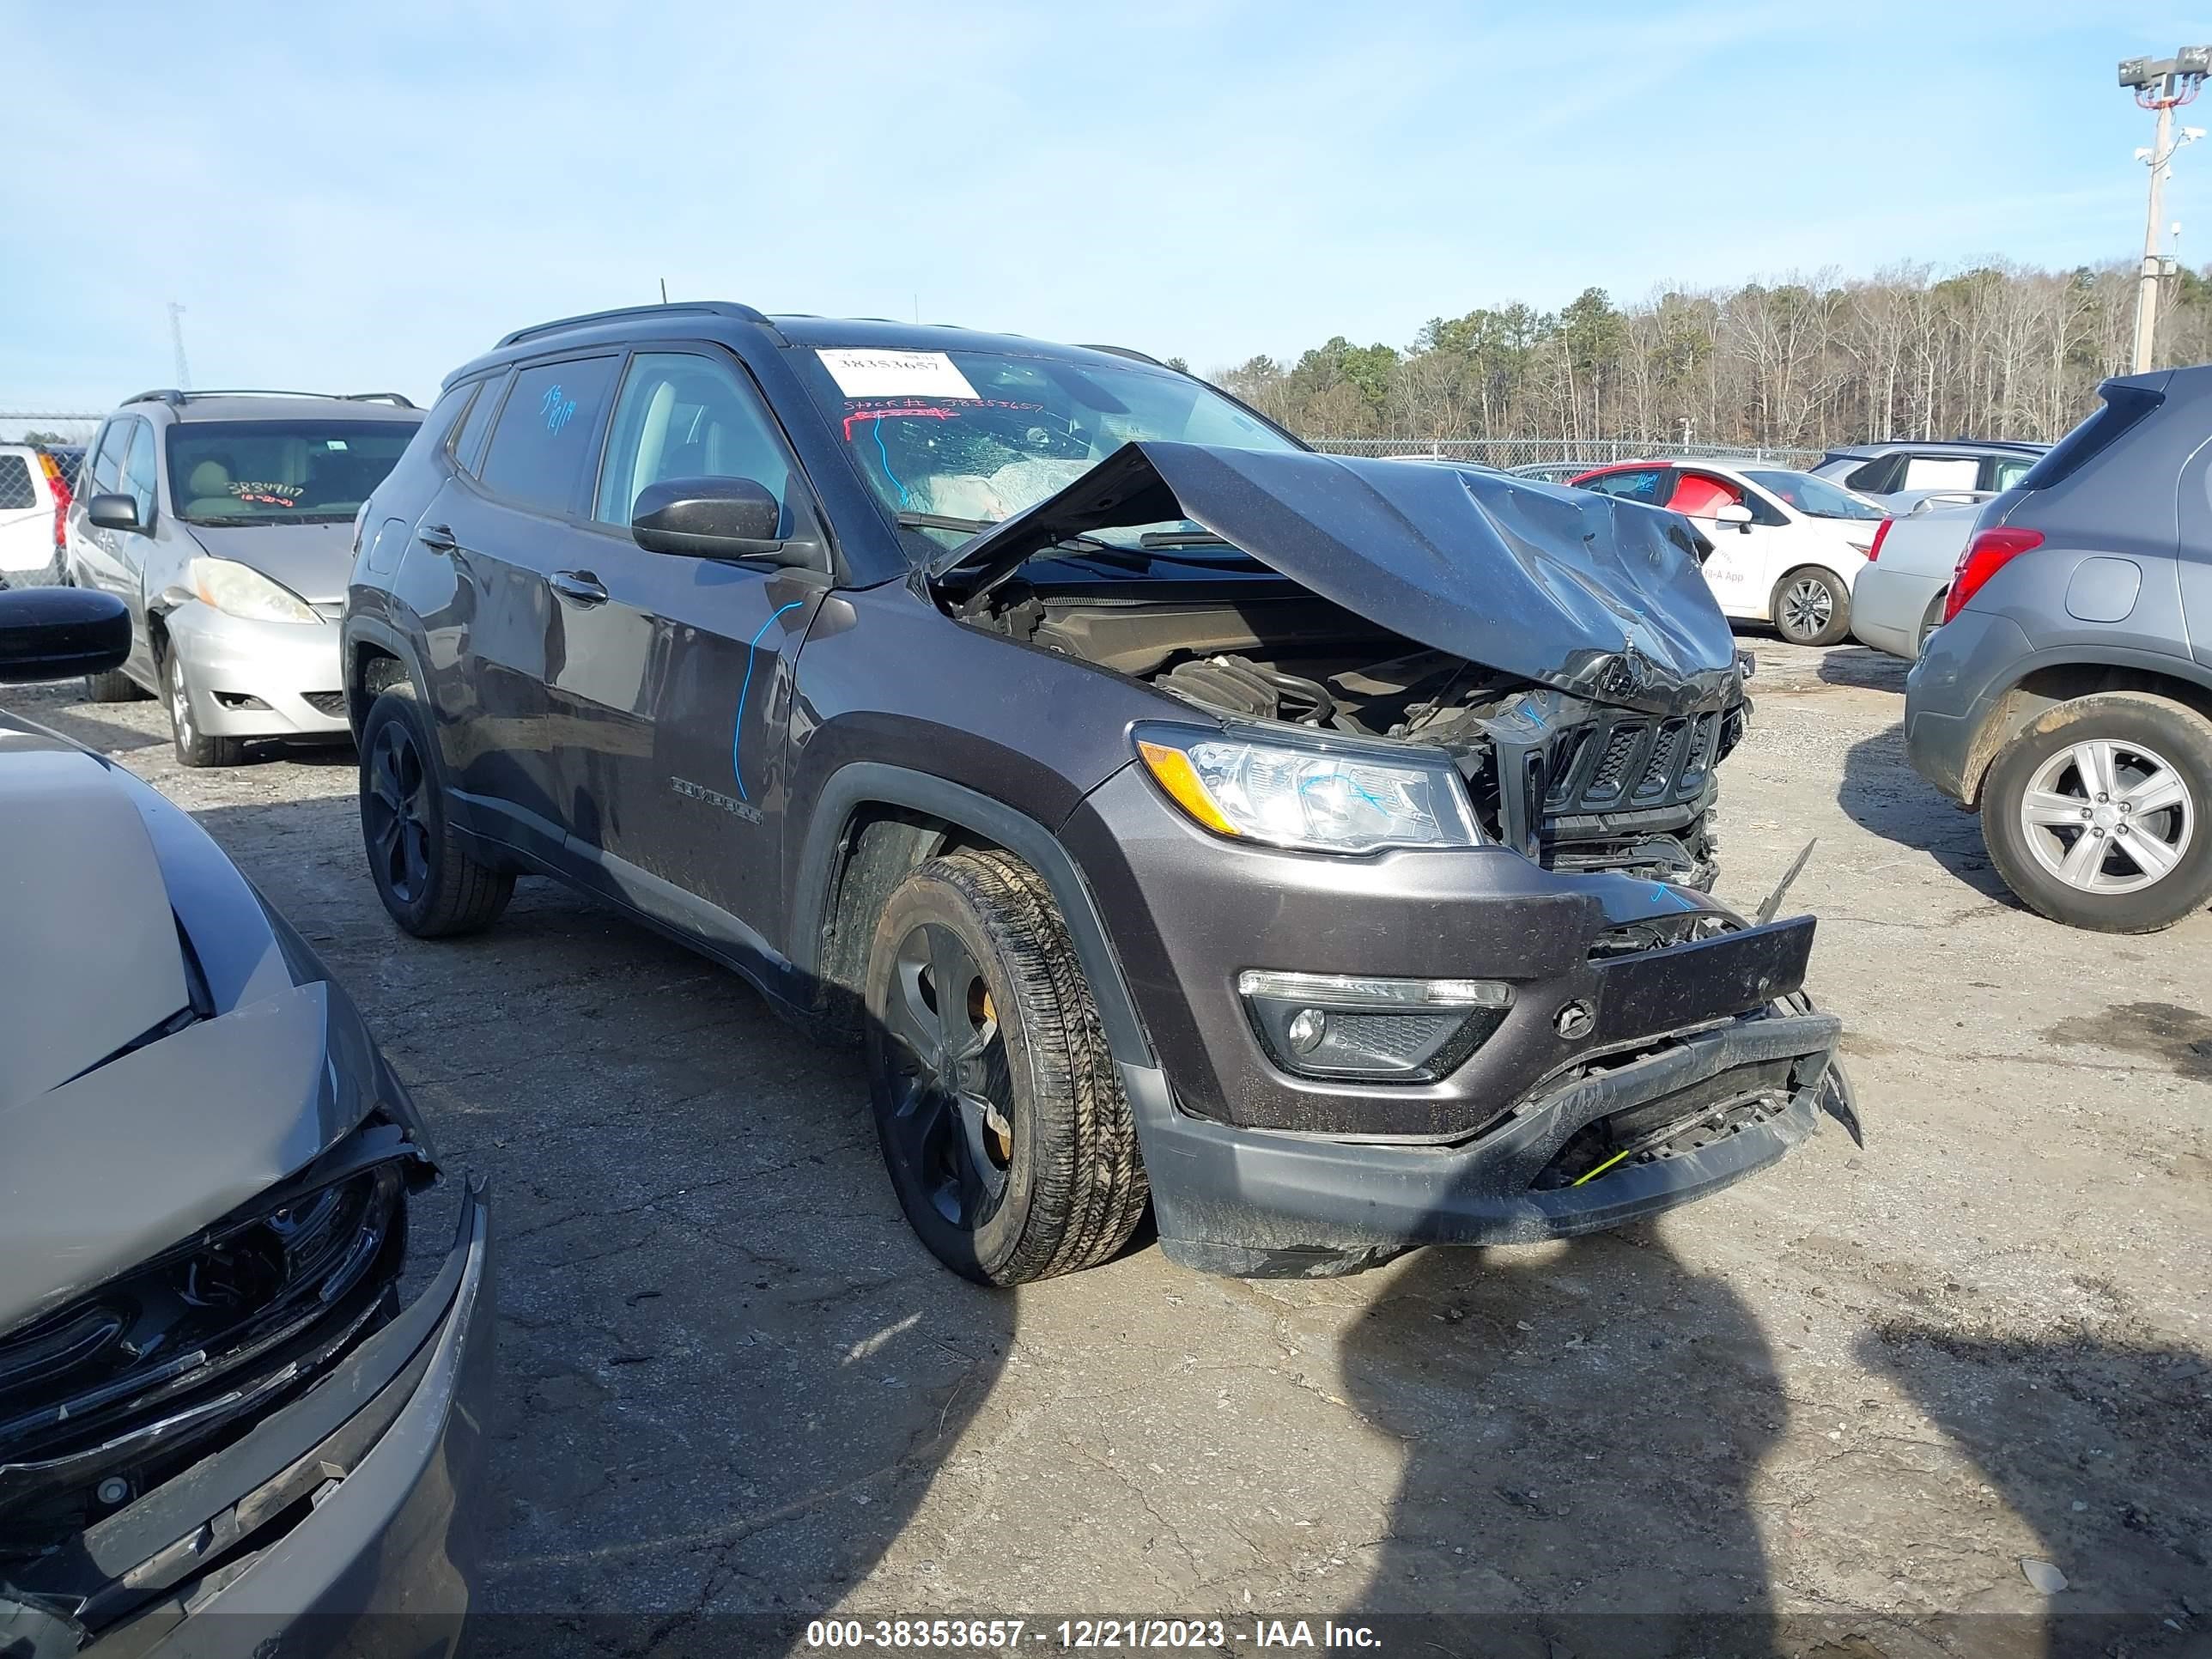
[{"x": 1396, "y": 1031}]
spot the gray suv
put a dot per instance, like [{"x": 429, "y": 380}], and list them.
[
  {"x": 2069, "y": 690},
  {"x": 223, "y": 522},
  {"x": 1314, "y": 846}
]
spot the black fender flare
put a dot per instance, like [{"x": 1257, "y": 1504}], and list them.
[
  {"x": 863, "y": 783},
  {"x": 372, "y": 631}
]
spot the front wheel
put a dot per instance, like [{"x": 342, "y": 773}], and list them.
[
  {"x": 2095, "y": 815},
  {"x": 1812, "y": 606},
  {"x": 194, "y": 746},
  {"x": 1004, "y": 1126}
]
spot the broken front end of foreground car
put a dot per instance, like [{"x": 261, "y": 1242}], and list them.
[
  {"x": 1507, "y": 1009},
  {"x": 245, "y": 1330}
]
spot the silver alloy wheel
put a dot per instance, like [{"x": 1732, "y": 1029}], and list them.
[
  {"x": 2106, "y": 816},
  {"x": 1806, "y": 606},
  {"x": 181, "y": 707}
]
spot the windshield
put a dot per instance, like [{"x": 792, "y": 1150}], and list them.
[
  {"x": 968, "y": 437},
  {"x": 1816, "y": 498},
  {"x": 262, "y": 471}
]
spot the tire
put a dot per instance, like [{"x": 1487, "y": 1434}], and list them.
[
  {"x": 1929, "y": 623},
  {"x": 1005, "y": 1132},
  {"x": 2142, "y": 748},
  {"x": 1811, "y": 606},
  {"x": 194, "y": 746},
  {"x": 429, "y": 880},
  {"x": 114, "y": 686}
]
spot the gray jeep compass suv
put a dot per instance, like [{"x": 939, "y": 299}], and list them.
[
  {"x": 2069, "y": 690},
  {"x": 1315, "y": 847}
]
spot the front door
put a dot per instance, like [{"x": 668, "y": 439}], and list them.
[
  {"x": 1736, "y": 571},
  {"x": 682, "y": 686}
]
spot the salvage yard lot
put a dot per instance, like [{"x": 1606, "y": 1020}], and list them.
[{"x": 1863, "y": 1383}]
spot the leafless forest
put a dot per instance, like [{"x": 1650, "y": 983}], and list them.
[{"x": 1997, "y": 350}]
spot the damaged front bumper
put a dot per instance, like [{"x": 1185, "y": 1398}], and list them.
[
  {"x": 1652, "y": 1047},
  {"x": 346, "y": 1521}
]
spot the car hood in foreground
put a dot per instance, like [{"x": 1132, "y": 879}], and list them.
[
  {"x": 168, "y": 1046},
  {"x": 313, "y": 560},
  {"x": 1599, "y": 597}
]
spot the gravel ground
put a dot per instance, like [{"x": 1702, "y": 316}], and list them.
[{"x": 1829, "y": 1406}]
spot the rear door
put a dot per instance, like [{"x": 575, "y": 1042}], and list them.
[
  {"x": 26, "y": 517},
  {"x": 678, "y": 681},
  {"x": 506, "y": 533}
]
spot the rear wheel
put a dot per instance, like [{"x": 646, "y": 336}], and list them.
[
  {"x": 194, "y": 746},
  {"x": 1004, "y": 1126},
  {"x": 427, "y": 878},
  {"x": 1812, "y": 606},
  {"x": 114, "y": 686},
  {"x": 2097, "y": 815}
]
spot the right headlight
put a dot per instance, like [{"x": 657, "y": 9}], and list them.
[
  {"x": 239, "y": 590},
  {"x": 1321, "y": 797}
]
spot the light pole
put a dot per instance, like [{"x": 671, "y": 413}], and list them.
[{"x": 2162, "y": 84}]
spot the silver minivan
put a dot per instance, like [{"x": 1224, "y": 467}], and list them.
[{"x": 224, "y": 522}]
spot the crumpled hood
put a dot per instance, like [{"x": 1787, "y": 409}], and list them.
[
  {"x": 313, "y": 560},
  {"x": 1599, "y": 597},
  {"x": 247, "y": 1065}
]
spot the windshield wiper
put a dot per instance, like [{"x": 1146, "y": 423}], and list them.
[
  {"x": 942, "y": 521},
  {"x": 1183, "y": 538}
]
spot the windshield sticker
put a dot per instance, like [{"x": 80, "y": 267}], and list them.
[
  {"x": 863, "y": 374},
  {"x": 268, "y": 495}
]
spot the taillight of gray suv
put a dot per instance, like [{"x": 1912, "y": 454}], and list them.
[
  {"x": 2068, "y": 693},
  {"x": 1312, "y": 848}
]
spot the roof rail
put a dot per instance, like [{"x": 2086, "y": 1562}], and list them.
[
  {"x": 1124, "y": 351},
  {"x": 172, "y": 395},
  {"x": 703, "y": 307}
]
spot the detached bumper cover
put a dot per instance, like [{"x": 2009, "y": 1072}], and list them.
[
  {"x": 346, "y": 1521},
  {"x": 290, "y": 669}
]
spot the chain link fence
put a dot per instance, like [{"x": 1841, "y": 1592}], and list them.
[{"x": 1561, "y": 454}]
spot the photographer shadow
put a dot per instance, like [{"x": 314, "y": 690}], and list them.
[{"x": 1583, "y": 1427}]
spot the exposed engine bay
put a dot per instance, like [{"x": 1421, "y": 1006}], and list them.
[{"x": 1575, "y": 783}]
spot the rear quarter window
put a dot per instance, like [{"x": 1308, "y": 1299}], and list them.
[
  {"x": 543, "y": 443},
  {"x": 468, "y": 442},
  {"x": 16, "y": 489}
]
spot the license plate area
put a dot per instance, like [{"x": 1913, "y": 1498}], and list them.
[{"x": 1683, "y": 985}]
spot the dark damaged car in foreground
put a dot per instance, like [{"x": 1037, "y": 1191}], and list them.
[
  {"x": 243, "y": 1370},
  {"x": 1316, "y": 848}
]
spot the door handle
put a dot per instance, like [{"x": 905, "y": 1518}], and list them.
[
  {"x": 577, "y": 586},
  {"x": 436, "y": 537}
]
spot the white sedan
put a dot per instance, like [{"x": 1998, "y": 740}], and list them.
[{"x": 1787, "y": 546}]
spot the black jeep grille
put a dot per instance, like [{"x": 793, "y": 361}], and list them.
[{"x": 1630, "y": 761}]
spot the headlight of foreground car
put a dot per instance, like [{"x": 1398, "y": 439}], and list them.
[
  {"x": 240, "y": 591},
  {"x": 1322, "y": 799}
]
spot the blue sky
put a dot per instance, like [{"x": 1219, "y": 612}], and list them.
[{"x": 341, "y": 203}]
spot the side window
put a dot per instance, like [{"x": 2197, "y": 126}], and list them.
[
  {"x": 686, "y": 417},
  {"x": 1876, "y": 475},
  {"x": 1701, "y": 495},
  {"x": 1941, "y": 472},
  {"x": 438, "y": 424},
  {"x": 138, "y": 469},
  {"x": 15, "y": 490},
  {"x": 468, "y": 443},
  {"x": 105, "y": 468},
  {"x": 1642, "y": 484},
  {"x": 542, "y": 444},
  {"x": 2003, "y": 475}
]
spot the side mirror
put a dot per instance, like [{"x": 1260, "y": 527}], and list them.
[
  {"x": 715, "y": 518},
  {"x": 114, "y": 512},
  {"x": 1735, "y": 512},
  {"x": 53, "y": 633}
]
